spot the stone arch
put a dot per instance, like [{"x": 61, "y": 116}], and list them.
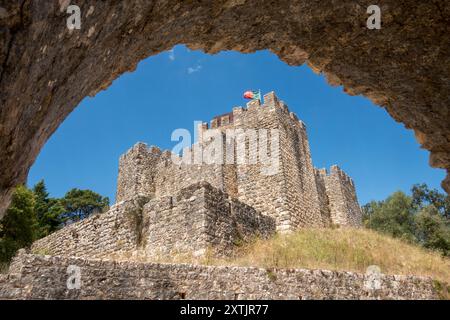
[{"x": 46, "y": 69}]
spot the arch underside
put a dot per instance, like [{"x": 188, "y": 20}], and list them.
[{"x": 46, "y": 69}]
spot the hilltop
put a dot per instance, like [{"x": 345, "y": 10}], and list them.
[{"x": 345, "y": 249}]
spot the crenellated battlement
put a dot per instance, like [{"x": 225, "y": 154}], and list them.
[
  {"x": 240, "y": 115},
  {"x": 336, "y": 170},
  {"x": 341, "y": 195},
  {"x": 222, "y": 120}
]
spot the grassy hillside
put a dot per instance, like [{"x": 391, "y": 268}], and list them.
[{"x": 337, "y": 249}]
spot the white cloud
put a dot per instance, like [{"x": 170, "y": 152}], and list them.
[
  {"x": 172, "y": 55},
  {"x": 191, "y": 70}
]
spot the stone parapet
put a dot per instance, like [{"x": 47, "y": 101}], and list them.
[{"x": 45, "y": 277}]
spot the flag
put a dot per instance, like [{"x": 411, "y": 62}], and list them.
[{"x": 252, "y": 95}]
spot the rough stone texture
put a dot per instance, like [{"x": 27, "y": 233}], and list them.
[
  {"x": 293, "y": 194},
  {"x": 190, "y": 222},
  {"x": 342, "y": 203},
  {"x": 45, "y": 277},
  {"x": 199, "y": 218},
  {"x": 46, "y": 69},
  {"x": 100, "y": 235},
  {"x": 150, "y": 172}
]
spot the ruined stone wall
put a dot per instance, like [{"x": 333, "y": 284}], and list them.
[
  {"x": 199, "y": 218},
  {"x": 229, "y": 222},
  {"x": 115, "y": 231},
  {"x": 175, "y": 225},
  {"x": 45, "y": 277},
  {"x": 189, "y": 222},
  {"x": 343, "y": 202}
]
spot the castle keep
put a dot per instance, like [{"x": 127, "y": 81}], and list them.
[
  {"x": 295, "y": 194},
  {"x": 167, "y": 207},
  {"x": 169, "y": 203}
]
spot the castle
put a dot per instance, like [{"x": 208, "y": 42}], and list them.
[
  {"x": 249, "y": 175},
  {"x": 297, "y": 195},
  {"x": 168, "y": 203}
]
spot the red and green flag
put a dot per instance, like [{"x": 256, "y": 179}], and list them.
[{"x": 252, "y": 95}]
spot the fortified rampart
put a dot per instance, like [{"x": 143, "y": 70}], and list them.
[
  {"x": 341, "y": 195},
  {"x": 166, "y": 208},
  {"x": 45, "y": 277},
  {"x": 192, "y": 221},
  {"x": 213, "y": 198}
]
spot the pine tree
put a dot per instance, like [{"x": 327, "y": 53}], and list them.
[
  {"x": 19, "y": 227},
  {"x": 80, "y": 204},
  {"x": 48, "y": 210}
]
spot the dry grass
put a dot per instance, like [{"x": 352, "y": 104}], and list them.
[
  {"x": 332, "y": 249},
  {"x": 343, "y": 249}
]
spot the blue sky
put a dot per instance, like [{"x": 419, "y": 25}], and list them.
[{"x": 171, "y": 90}]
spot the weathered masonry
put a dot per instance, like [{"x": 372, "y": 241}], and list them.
[
  {"x": 193, "y": 220},
  {"x": 403, "y": 67},
  {"x": 295, "y": 195},
  {"x": 170, "y": 208},
  {"x": 45, "y": 277},
  {"x": 165, "y": 207}
]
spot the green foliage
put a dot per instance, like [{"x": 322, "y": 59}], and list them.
[
  {"x": 80, "y": 204},
  {"x": 393, "y": 216},
  {"x": 422, "y": 196},
  {"x": 432, "y": 230},
  {"x": 19, "y": 227},
  {"x": 33, "y": 215},
  {"x": 48, "y": 210},
  {"x": 422, "y": 217}
]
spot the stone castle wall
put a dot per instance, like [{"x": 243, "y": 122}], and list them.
[
  {"x": 340, "y": 189},
  {"x": 151, "y": 172},
  {"x": 295, "y": 195},
  {"x": 200, "y": 218},
  {"x": 100, "y": 235},
  {"x": 324, "y": 201},
  {"x": 45, "y": 277},
  {"x": 192, "y": 221},
  {"x": 168, "y": 209},
  {"x": 165, "y": 208},
  {"x": 302, "y": 199}
]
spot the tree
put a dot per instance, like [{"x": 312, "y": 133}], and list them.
[
  {"x": 368, "y": 211},
  {"x": 18, "y": 229},
  {"x": 32, "y": 214},
  {"x": 394, "y": 216},
  {"x": 48, "y": 210},
  {"x": 423, "y": 196},
  {"x": 432, "y": 230},
  {"x": 80, "y": 204},
  {"x": 422, "y": 217}
]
